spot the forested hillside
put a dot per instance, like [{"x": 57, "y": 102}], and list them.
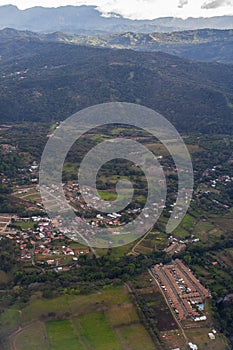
[{"x": 41, "y": 81}]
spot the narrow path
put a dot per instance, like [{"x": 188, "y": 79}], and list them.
[
  {"x": 128, "y": 287},
  {"x": 138, "y": 243},
  {"x": 12, "y": 337}
]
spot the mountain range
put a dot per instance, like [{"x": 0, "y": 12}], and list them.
[
  {"x": 88, "y": 20},
  {"x": 200, "y": 45},
  {"x": 45, "y": 81}
]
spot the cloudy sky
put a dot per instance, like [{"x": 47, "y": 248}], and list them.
[{"x": 140, "y": 9}]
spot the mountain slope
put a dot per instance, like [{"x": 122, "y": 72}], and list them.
[
  {"x": 208, "y": 45},
  {"x": 200, "y": 45},
  {"x": 43, "y": 81},
  {"x": 88, "y": 20}
]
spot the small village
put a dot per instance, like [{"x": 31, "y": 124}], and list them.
[{"x": 41, "y": 243}]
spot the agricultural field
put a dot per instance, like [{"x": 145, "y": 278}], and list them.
[
  {"x": 148, "y": 290},
  {"x": 104, "y": 320},
  {"x": 61, "y": 335},
  {"x": 224, "y": 221},
  {"x": 208, "y": 229},
  {"x": 153, "y": 301},
  {"x": 152, "y": 242}
]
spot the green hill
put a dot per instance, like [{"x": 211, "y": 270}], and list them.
[{"x": 49, "y": 81}]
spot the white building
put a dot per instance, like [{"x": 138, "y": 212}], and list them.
[
  {"x": 211, "y": 336},
  {"x": 193, "y": 346}
]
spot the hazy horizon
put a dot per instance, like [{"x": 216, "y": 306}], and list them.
[{"x": 141, "y": 9}]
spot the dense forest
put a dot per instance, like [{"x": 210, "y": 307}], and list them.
[{"x": 43, "y": 81}]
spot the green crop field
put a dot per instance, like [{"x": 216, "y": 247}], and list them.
[
  {"x": 122, "y": 315},
  {"x": 135, "y": 337},
  {"x": 61, "y": 335},
  {"x": 103, "y": 320},
  {"x": 97, "y": 332},
  {"x": 188, "y": 222}
]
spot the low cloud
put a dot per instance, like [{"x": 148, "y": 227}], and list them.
[
  {"x": 182, "y": 3},
  {"x": 214, "y": 4}
]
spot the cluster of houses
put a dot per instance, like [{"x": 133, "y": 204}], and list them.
[
  {"x": 183, "y": 291},
  {"x": 7, "y": 148},
  {"x": 74, "y": 196},
  {"x": 212, "y": 179},
  {"x": 26, "y": 173},
  {"x": 176, "y": 245},
  {"x": 36, "y": 242}
]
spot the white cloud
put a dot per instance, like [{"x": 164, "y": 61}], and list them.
[
  {"x": 182, "y": 3},
  {"x": 141, "y": 9},
  {"x": 214, "y": 4}
]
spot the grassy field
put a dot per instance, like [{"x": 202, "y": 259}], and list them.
[
  {"x": 103, "y": 320},
  {"x": 61, "y": 335},
  {"x": 24, "y": 225},
  {"x": 153, "y": 241},
  {"x": 200, "y": 336},
  {"x": 97, "y": 332},
  {"x": 188, "y": 222},
  {"x": 108, "y": 196},
  {"x": 28, "y": 194},
  {"x": 35, "y": 197},
  {"x": 9, "y": 320},
  {"x": 122, "y": 315},
  {"x": 39, "y": 340},
  {"x": 203, "y": 227},
  {"x": 135, "y": 337},
  {"x": 225, "y": 221}
]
